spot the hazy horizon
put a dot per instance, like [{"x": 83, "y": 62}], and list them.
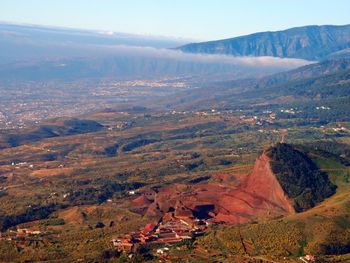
[{"x": 197, "y": 21}]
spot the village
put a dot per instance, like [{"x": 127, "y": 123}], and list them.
[{"x": 168, "y": 231}]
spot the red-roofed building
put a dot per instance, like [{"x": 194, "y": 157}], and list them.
[{"x": 149, "y": 228}]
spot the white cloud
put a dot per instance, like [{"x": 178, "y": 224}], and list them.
[{"x": 254, "y": 62}]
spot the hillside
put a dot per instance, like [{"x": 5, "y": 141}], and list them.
[
  {"x": 299, "y": 177},
  {"x": 306, "y": 89},
  {"x": 314, "y": 70},
  {"x": 309, "y": 42},
  {"x": 254, "y": 196},
  {"x": 283, "y": 181},
  {"x": 54, "y": 129},
  {"x": 323, "y": 231}
]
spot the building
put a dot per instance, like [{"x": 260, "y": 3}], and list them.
[
  {"x": 149, "y": 228},
  {"x": 310, "y": 258},
  {"x": 123, "y": 244}
]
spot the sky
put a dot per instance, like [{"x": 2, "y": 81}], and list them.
[{"x": 188, "y": 19}]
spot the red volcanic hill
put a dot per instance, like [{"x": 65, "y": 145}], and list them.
[{"x": 259, "y": 194}]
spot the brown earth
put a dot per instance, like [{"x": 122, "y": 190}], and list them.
[
  {"x": 141, "y": 201},
  {"x": 257, "y": 195},
  {"x": 73, "y": 215},
  {"x": 51, "y": 172},
  {"x": 90, "y": 214}
]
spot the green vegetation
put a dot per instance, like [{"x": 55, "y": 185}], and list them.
[
  {"x": 299, "y": 177},
  {"x": 54, "y": 222},
  {"x": 101, "y": 191},
  {"x": 68, "y": 180},
  {"x": 30, "y": 214}
]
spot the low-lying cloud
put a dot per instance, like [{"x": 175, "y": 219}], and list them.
[
  {"x": 132, "y": 62},
  {"x": 274, "y": 62},
  {"x": 136, "y": 52}
]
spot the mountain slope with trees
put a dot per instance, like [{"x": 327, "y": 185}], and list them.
[{"x": 299, "y": 176}]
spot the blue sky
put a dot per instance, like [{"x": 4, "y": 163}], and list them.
[{"x": 191, "y": 19}]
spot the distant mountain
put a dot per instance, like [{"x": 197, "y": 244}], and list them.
[{"x": 309, "y": 42}]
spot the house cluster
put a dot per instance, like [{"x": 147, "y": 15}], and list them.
[
  {"x": 120, "y": 125},
  {"x": 26, "y": 232},
  {"x": 288, "y": 111},
  {"x": 258, "y": 120},
  {"x": 168, "y": 230},
  {"x": 23, "y": 237},
  {"x": 339, "y": 129},
  {"x": 22, "y": 164},
  {"x": 323, "y": 108},
  {"x": 308, "y": 258}
]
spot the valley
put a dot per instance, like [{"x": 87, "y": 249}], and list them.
[
  {"x": 27, "y": 103},
  {"x": 77, "y": 186},
  {"x": 120, "y": 147}
]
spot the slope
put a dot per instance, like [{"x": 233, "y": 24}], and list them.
[
  {"x": 308, "y": 87},
  {"x": 309, "y": 42}
]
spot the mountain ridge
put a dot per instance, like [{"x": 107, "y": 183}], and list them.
[{"x": 308, "y": 42}]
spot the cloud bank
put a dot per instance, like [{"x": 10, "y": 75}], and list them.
[{"x": 149, "y": 52}]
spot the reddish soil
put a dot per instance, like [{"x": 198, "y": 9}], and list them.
[
  {"x": 257, "y": 195},
  {"x": 141, "y": 201}
]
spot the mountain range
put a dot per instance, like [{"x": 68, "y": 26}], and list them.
[{"x": 308, "y": 42}]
